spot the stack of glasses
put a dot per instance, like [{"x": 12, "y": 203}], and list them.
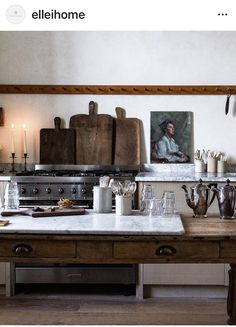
[{"x": 154, "y": 207}]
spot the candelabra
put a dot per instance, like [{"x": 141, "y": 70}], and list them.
[
  {"x": 25, "y": 157},
  {"x": 13, "y": 157}
]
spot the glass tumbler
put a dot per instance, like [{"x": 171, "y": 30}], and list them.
[
  {"x": 168, "y": 203},
  {"x": 11, "y": 198},
  {"x": 156, "y": 207},
  {"x": 146, "y": 196}
]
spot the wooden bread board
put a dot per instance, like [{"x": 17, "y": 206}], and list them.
[
  {"x": 57, "y": 145},
  {"x": 127, "y": 139},
  {"x": 93, "y": 137},
  {"x": 46, "y": 212}
]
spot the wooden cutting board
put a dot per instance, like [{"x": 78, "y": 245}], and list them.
[
  {"x": 93, "y": 137},
  {"x": 46, "y": 212},
  {"x": 127, "y": 139},
  {"x": 57, "y": 145}
]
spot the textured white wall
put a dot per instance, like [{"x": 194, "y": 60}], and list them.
[{"x": 118, "y": 58}]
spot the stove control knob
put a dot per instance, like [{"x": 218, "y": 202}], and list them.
[
  {"x": 60, "y": 190},
  {"x": 73, "y": 190},
  {"x": 48, "y": 190},
  {"x": 22, "y": 190},
  {"x": 83, "y": 190},
  {"x": 35, "y": 190}
]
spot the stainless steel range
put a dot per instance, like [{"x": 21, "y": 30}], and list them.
[
  {"x": 45, "y": 186},
  {"x": 48, "y": 183}
]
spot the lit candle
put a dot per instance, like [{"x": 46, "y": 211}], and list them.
[
  {"x": 12, "y": 139},
  {"x": 24, "y": 139}
]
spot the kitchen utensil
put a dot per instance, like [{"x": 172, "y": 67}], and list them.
[
  {"x": 227, "y": 104},
  {"x": 126, "y": 187},
  {"x": 93, "y": 137},
  {"x": 104, "y": 181},
  {"x": 226, "y": 196},
  {"x": 199, "y": 166},
  {"x": 57, "y": 146},
  {"x": 1, "y": 117},
  {"x": 211, "y": 165},
  {"x": 221, "y": 166},
  {"x": 127, "y": 139},
  {"x": 115, "y": 187},
  {"x": 102, "y": 199},
  {"x": 199, "y": 199},
  {"x": 46, "y": 212},
  {"x": 132, "y": 188},
  {"x": 123, "y": 205}
]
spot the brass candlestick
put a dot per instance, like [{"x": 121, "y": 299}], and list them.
[
  {"x": 13, "y": 157},
  {"x": 25, "y": 157}
]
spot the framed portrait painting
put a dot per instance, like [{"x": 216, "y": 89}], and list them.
[{"x": 171, "y": 137}]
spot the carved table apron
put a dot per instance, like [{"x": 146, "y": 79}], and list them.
[{"x": 208, "y": 240}]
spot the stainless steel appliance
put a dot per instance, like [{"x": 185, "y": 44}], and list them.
[
  {"x": 45, "y": 185},
  {"x": 48, "y": 183}
]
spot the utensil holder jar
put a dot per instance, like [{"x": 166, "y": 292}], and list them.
[
  {"x": 200, "y": 166},
  {"x": 123, "y": 205},
  {"x": 211, "y": 165},
  {"x": 102, "y": 199},
  {"x": 221, "y": 166}
]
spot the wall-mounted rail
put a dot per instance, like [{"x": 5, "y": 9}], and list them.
[{"x": 119, "y": 89}]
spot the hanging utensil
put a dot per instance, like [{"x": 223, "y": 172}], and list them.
[{"x": 227, "y": 104}]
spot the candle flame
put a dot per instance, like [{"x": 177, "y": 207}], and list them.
[
  {"x": 12, "y": 125},
  {"x": 24, "y": 126}
]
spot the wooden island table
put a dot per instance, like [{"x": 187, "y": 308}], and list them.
[{"x": 209, "y": 240}]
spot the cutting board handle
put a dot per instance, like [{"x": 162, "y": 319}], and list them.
[
  {"x": 57, "y": 122},
  {"x": 120, "y": 113},
  {"x": 92, "y": 108}
]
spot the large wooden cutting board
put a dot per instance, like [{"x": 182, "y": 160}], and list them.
[
  {"x": 127, "y": 139},
  {"x": 93, "y": 137},
  {"x": 57, "y": 145},
  {"x": 46, "y": 212}
]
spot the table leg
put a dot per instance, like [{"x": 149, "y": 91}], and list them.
[
  {"x": 139, "y": 282},
  {"x": 10, "y": 279}
]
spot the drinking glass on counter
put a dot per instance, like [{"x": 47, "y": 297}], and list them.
[
  {"x": 156, "y": 207},
  {"x": 11, "y": 198},
  {"x": 146, "y": 196},
  {"x": 168, "y": 203}
]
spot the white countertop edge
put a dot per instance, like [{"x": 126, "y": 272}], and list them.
[{"x": 94, "y": 224}]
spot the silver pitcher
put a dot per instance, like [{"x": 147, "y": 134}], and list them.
[
  {"x": 226, "y": 196},
  {"x": 199, "y": 199}
]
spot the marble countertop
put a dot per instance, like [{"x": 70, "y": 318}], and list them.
[
  {"x": 94, "y": 223},
  {"x": 184, "y": 176}
]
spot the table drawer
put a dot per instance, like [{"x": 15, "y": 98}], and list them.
[
  {"x": 94, "y": 250},
  {"x": 157, "y": 250},
  {"x": 36, "y": 248},
  {"x": 228, "y": 249}
]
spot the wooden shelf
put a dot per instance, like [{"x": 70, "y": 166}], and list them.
[{"x": 120, "y": 89}]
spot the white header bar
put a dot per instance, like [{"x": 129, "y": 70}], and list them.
[{"x": 120, "y": 15}]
